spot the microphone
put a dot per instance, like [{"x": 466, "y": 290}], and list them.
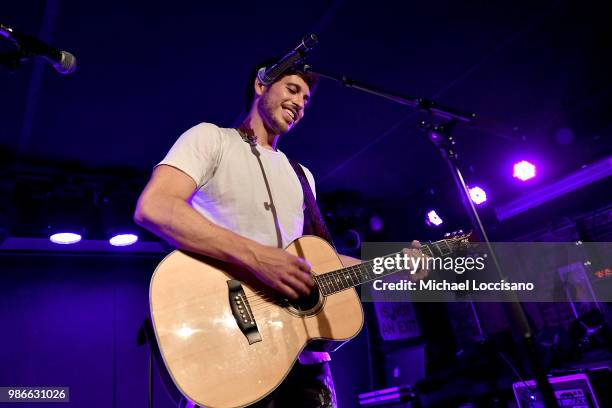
[
  {"x": 268, "y": 75},
  {"x": 29, "y": 46}
]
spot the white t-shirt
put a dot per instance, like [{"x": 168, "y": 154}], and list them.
[{"x": 231, "y": 191}]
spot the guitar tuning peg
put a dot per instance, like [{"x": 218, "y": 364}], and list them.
[
  {"x": 461, "y": 231},
  {"x": 446, "y": 235}
]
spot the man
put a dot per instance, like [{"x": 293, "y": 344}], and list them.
[{"x": 219, "y": 195}]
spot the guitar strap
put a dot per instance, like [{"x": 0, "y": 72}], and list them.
[{"x": 314, "y": 224}]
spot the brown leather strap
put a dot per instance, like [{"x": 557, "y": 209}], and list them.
[{"x": 314, "y": 224}]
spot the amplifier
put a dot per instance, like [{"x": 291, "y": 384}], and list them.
[{"x": 571, "y": 391}]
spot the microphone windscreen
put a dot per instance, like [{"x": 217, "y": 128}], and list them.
[{"x": 67, "y": 63}]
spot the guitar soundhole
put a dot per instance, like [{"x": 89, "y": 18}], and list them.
[{"x": 306, "y": 305}]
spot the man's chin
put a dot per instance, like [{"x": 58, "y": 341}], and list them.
[
  {"x": 280, "y": 126},
  {"x": 283, "y": 127}
]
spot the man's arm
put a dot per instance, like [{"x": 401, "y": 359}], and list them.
[{"x": 164, "y": 210}]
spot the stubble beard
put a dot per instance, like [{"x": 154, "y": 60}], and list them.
[{"x": 272, "y": 122}]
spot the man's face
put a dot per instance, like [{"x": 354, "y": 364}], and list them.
[{"x": 281, "y": 105}]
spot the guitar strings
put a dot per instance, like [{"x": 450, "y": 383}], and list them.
[
  {"x": 263, "y": 300},
  {"x": 332, "y": 278},
  {"x": 268, "y": 300},
  {"x": 356, "y": 269},
  {"x": 335, "y": 277},
  {"x": 279, "y": 302},
  {"x": 259, "y": 297}
]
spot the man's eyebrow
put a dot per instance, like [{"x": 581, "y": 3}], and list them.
[{"x": 299, "y": 88}]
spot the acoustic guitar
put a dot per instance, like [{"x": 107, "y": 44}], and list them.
[{"x": 227, "y": 341}]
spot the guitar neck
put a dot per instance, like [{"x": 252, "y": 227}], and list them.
[{"x": 352, "y": 276}]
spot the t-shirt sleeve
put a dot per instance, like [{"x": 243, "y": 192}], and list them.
[
  {"x": 311, "y": 180},
  {"x": 196, "y": 152}
]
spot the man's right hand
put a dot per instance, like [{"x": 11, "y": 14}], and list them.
[{"x": 286, "y": 273}]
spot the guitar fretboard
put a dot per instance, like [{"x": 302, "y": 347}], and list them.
[{"x": 352, "y": 276}]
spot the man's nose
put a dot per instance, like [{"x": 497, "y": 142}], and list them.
[{"x": 298, "y": 103}]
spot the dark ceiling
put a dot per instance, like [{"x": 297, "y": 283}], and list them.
[{"x": 537, "y": 73}]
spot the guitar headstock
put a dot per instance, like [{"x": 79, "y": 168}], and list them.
[
  {"x": 457, "y": 240},
  {"x": 453, "y": 242}
]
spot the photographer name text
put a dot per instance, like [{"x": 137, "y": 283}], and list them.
[{"x": 444, "y": 285}]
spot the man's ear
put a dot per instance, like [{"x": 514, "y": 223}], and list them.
[{"x": 259, "y": 87}]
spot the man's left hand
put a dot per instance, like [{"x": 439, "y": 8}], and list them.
[{"x": 419, "y": 259}]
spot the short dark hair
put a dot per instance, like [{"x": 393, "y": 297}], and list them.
[{"x": 311, "y": 80}]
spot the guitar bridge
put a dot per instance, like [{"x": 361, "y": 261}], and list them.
[{"x": 242, "y": 311}]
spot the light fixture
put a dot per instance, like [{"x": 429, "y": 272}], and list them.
[
  {"x": 123, "y": 239},
  {"x": 433, "y": 219},
  {"x": 477, "y": 194},
  {"x": 524, "y": 170},
  {"x": 65, "y": 238}
]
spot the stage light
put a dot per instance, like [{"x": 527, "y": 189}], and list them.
[
  {"x": 433, "y": 219},
  {"x": 65, "y": 238},
  {"x": 477, "y": 194},
  {"x": 123, "y": 239},
  {"x": 376, "y": 223},
  {"x": 585, "y": 176},
  {"x": 524, "y": 170},
  {"x": 66, "y": 214}
]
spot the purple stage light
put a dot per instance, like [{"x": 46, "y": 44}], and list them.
[
  {"x": 587, "y": 175},
  {"x": 433, "y": 219},
  {"x": 123, "y": 239},
  {"x": 376, "y": 223},
  {"x": 478, "y": 195},
  {"x": 65, "y": 238},
  {"x": 524, "y": 170}
]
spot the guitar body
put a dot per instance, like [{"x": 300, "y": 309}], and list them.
[{"x": 215, "y": 362}]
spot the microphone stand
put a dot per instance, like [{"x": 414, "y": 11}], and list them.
[
  {"x": 439, "y": 129},
  {"x": 12, "y": 59}
]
